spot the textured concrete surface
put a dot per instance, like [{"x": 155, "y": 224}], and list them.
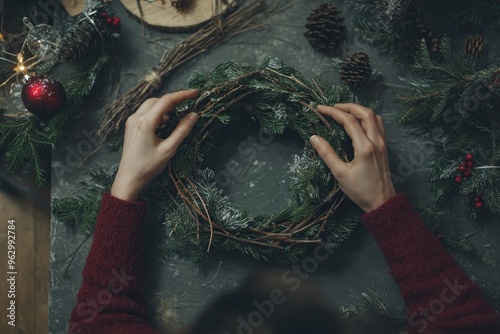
[{"x": 358, "y": 267}]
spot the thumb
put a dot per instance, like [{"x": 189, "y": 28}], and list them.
[
  {"x": 327, "y": 154},
  {"x": 181, "y": 131}
]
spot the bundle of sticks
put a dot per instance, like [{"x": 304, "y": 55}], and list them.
[{"x": 220, "y": 29}]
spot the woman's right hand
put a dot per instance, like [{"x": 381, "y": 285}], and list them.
[{"x": 366, "y": 180}]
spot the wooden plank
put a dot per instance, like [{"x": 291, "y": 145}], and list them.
[
  {"x": 41, "y": 219},
  {"x": 163, "y": 16}
]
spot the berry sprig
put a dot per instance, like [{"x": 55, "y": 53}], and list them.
[
  {"x": 465, "y": 168},
  {"x": 478, "y": 201},
  {"x": 112, "y": 21}
]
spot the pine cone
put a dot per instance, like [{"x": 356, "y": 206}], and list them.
[
  {"x": 474, "y": 46},
  {"x": 84, "y": 37},
  {"x": 432, "y": 42},
  {"x": 180, "y": 4},
  {"x": 325, "y": 28},
  {"x": 355, "y": 71}
]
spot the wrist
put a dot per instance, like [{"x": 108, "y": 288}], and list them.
[{"x": 126, "y": 189}]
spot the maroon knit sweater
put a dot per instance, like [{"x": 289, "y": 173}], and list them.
[{"x": 438, "y": 294}]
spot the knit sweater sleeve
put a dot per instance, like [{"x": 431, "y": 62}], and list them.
[
  {"x": 437, "y": 292},
  {"x": 109, "y": 299}
]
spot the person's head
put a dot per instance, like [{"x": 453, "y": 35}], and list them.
[{"x": 268, "y": 303}]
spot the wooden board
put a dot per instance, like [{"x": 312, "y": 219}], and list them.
[
  {"x": 73, "y": 7},
  {"x": 161, "y": 15}
]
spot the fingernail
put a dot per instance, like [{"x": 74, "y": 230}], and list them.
[
  {"x": 314, "y": 140},
  {"x": 193, "y": 116}
]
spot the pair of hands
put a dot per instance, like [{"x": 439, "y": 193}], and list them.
[{"x": 365, "y": 180}]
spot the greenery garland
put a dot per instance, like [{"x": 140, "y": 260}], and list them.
[{"x": 194, "y": 210}]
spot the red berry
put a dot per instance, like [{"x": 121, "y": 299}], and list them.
[
  {"x": 116, "y": 22},
  {"x": 469, "y": 157},
  {"x": 479, "y": 205},
  {"x": 470, "y": 163},
  {"x": 458, "y": 179},
  {"x": 104, "y": 15},
  {"x": 461, "y": 169},
  {"x": 478, "y": 198}
]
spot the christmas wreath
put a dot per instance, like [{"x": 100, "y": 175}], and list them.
[{"x": 193, "y": 208}]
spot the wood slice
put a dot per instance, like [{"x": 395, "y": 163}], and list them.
[
  {"x": 161, "y": 15},
  {"x": 74, "y": 7}
]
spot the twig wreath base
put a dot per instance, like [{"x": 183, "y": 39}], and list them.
[{"x": 197, "y": 214}]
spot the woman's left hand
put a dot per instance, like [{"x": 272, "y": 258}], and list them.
[{"x": 144, "y": 155}]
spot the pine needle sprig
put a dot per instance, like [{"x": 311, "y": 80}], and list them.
[
  {"x": 456, "y": 105},
  {"x": 79, "y": 211}
]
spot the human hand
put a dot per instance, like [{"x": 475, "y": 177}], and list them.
[
  {"x": 366, "y": 180},
  {"x": 144, "y": 154}
]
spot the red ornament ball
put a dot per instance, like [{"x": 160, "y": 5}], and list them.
[
  {"x": 104, "y": 14},
  {"x": 468, "y": 172},
  {"x": 109, "y": 20},
  {"x": 470, "y": 163},
  {"x": 461, "y": 169},
  {"x": 43, "y": 96},
  {"x": 469, "y": 157},
  {"x": 458, "y": 179},
  {"x": 479, "y": 205}
]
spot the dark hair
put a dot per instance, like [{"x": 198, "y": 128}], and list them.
[{"x": 264, "y": 304}]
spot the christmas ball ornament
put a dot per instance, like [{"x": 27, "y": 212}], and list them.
[
  {"x": 474, "y": 46},
  {"x": 458, "y": 179},
  {"x": 469, "y": 157},
  {"x": 478, "y": 205},
  {"x": 355, "y": 71},
  {"x": 325, "y": 28},
  {"x": 43, "y": 41},
  {"x": 43, "y": 95},
  {"x": 461, "y": 169}
]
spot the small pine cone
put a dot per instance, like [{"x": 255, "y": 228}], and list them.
[
  {"x": 431, "y": 40},
  {"x": 355, "y": 71},
  {"x": 325, "y": 28},
  {"x": 180, "y": 4},
  {"x": 83, "y": 38},
  {"x": 474, "y": 46}
]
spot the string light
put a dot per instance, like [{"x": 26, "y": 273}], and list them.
[{"x": 42, "y": 40}]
